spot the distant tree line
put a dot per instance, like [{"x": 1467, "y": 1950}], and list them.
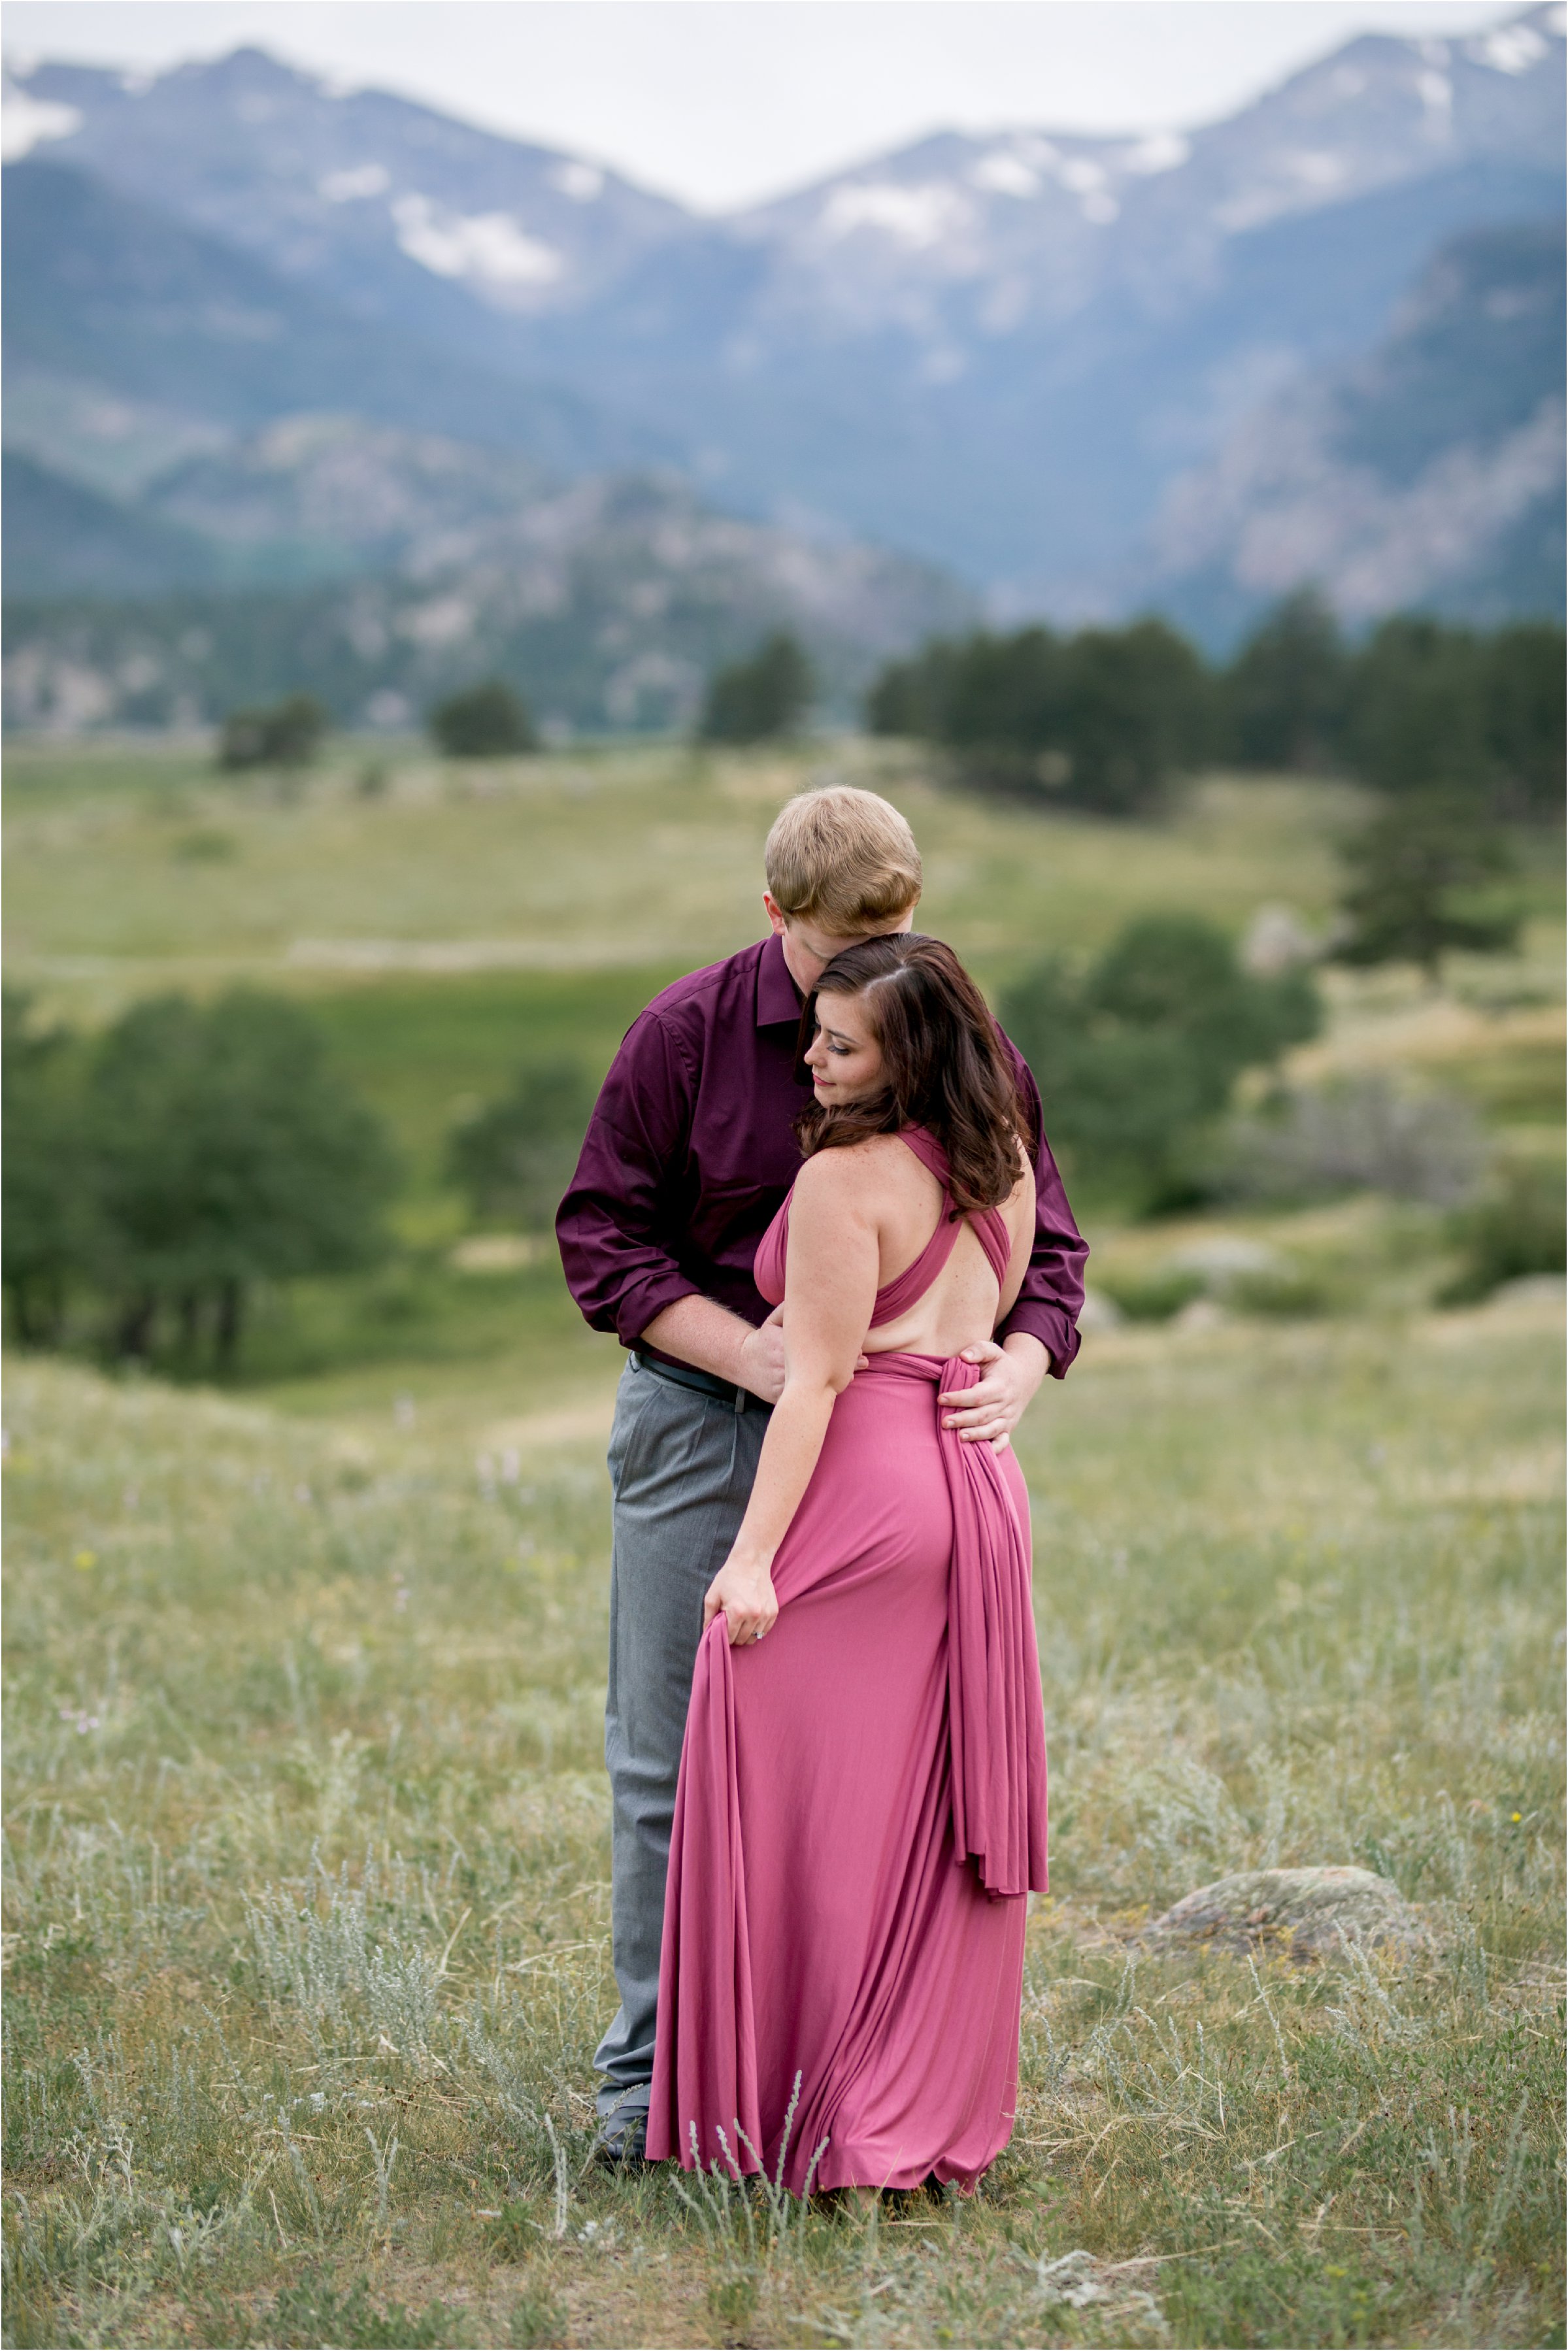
[
  {"x": 487, "y": 721},
  {"x": 165, "y": 1169},
  {"x": 756, "y": 700},
  {"x": 1105, "y": 719}
]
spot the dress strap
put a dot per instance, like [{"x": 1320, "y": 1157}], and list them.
[
  {"x": 990, "y": 1226},
  {"x": 909, "y": 1286}
]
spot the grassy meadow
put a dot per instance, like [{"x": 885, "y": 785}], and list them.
[{"x": 307, "y": 1828}]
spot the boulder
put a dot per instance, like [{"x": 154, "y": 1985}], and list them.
[{"x": 1306, "y": 1910}]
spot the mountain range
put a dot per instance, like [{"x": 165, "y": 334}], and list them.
[{"x": 1079, "y": 375}]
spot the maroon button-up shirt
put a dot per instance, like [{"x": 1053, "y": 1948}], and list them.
[{"x": 689, "y": 1154}]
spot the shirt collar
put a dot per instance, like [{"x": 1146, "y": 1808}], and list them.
[{"x": 777, "y": 998}]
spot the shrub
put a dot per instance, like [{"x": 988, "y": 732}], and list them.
[
  {"x": 1361, "y": 1133},
  {"x": 514, "y": 1158},
  {"x": 1286, "y": 1293},
  {"x": 482, "y": 722},
  {"x": 286, "y": 735},
  {"x": 1154, "y": 1296},
  {"x": 1516, "y": 1228},
  {"x": 757, "y": 700},
  {"x": 1138, "y": 1056}
]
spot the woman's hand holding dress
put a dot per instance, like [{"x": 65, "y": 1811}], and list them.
[
  {"x": 832, "y": 1281},
  {"x": 744, "y": 1591}
]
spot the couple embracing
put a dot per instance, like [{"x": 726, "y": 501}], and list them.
[{"x": 817, "y": 1205}]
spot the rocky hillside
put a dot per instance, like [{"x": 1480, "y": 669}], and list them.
[
  {"x": 1431, "y": 471},
  {"x": 608, "y": 600}
]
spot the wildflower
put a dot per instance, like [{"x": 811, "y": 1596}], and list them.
[{"x": 86, "y": 1558}]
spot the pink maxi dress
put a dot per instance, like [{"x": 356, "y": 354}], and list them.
[{"x": 862, "y": 1805}]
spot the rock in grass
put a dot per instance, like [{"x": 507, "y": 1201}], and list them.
[{"x": 1309, "y": 1909}]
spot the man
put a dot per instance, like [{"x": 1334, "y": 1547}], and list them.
[{"x": 687, "y": 1159}]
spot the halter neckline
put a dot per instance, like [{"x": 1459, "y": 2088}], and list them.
[{"x": 906, "y": 1290}]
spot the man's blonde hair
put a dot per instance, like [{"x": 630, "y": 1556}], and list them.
[{"x": 844, "y": 860}]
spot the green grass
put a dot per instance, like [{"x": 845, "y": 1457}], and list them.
[
  {"x": 309, "y": 1854},
  {"x": 306, "y": 1818},
  {"x": 425, "y": 1053},
  {"x": 642, "y": 857}
]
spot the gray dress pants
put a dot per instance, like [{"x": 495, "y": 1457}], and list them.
[{"x": 681, "y": 1470}]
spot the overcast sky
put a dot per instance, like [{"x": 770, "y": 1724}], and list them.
[{"x": 721, "y": 102}]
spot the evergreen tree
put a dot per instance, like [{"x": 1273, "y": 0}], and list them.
[
  {"x": 1101, "y": 720},
  {"x": 225, "y": 1151},
  {"x": 1418, "y": 710},
  {"x": 1138, "y": 710},
  {"x": 288, "y": 734},
  {"x": 1288, "y": 688},
  {"x": 1525, "y": 719},
  {"x": 1421, "y": 875},
  {"x": 910, "y": 697},
  {"x": 482, "y": 722},
  {"x": 757, "y": 700},
  {"x": 1004, "y": 695}
]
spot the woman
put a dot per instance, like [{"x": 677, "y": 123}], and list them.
[{"x": 862, "y": 1802}]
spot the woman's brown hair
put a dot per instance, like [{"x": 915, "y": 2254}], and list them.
[{"x": 945, "y": 1065}]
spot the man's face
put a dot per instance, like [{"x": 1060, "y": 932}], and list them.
[{"x": 807, "y": 950}]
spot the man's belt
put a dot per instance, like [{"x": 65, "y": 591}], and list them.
[{"x": 708, "y": 1384}]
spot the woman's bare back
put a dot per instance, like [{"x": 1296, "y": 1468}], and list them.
[{"x": 962, "y": 1307}]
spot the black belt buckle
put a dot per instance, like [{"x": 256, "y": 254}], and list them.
[{"x": 686, "y": 1375}]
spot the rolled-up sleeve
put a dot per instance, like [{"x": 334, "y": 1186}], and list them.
[
  {"x": 1051, "y": 1298},
  {"x": 614, "y": 1226}
]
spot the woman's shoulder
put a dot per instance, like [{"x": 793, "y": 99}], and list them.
[{"x": 855, "y": 1170}]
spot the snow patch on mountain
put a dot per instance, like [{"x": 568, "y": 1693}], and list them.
[
  {"x": 26, "y": 122},
  {"x": 1514, "y": 48},
  {"x": 1006, "y": 174},
  {"x": 489, "y": 251},
  {"x": 1162, "y": 150},
  {"x": 354, "y": 183},
  {"x": 914, "y": 216},
  {"x": 581, "y": 182}
]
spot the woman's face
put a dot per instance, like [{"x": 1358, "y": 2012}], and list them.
[{"x": 845, "y": 1058}]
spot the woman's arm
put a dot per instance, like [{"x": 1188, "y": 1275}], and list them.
[{"x": 830, "y": 1290}]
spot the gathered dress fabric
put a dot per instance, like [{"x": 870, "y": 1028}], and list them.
[{"x": 862, "y": 1805}]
